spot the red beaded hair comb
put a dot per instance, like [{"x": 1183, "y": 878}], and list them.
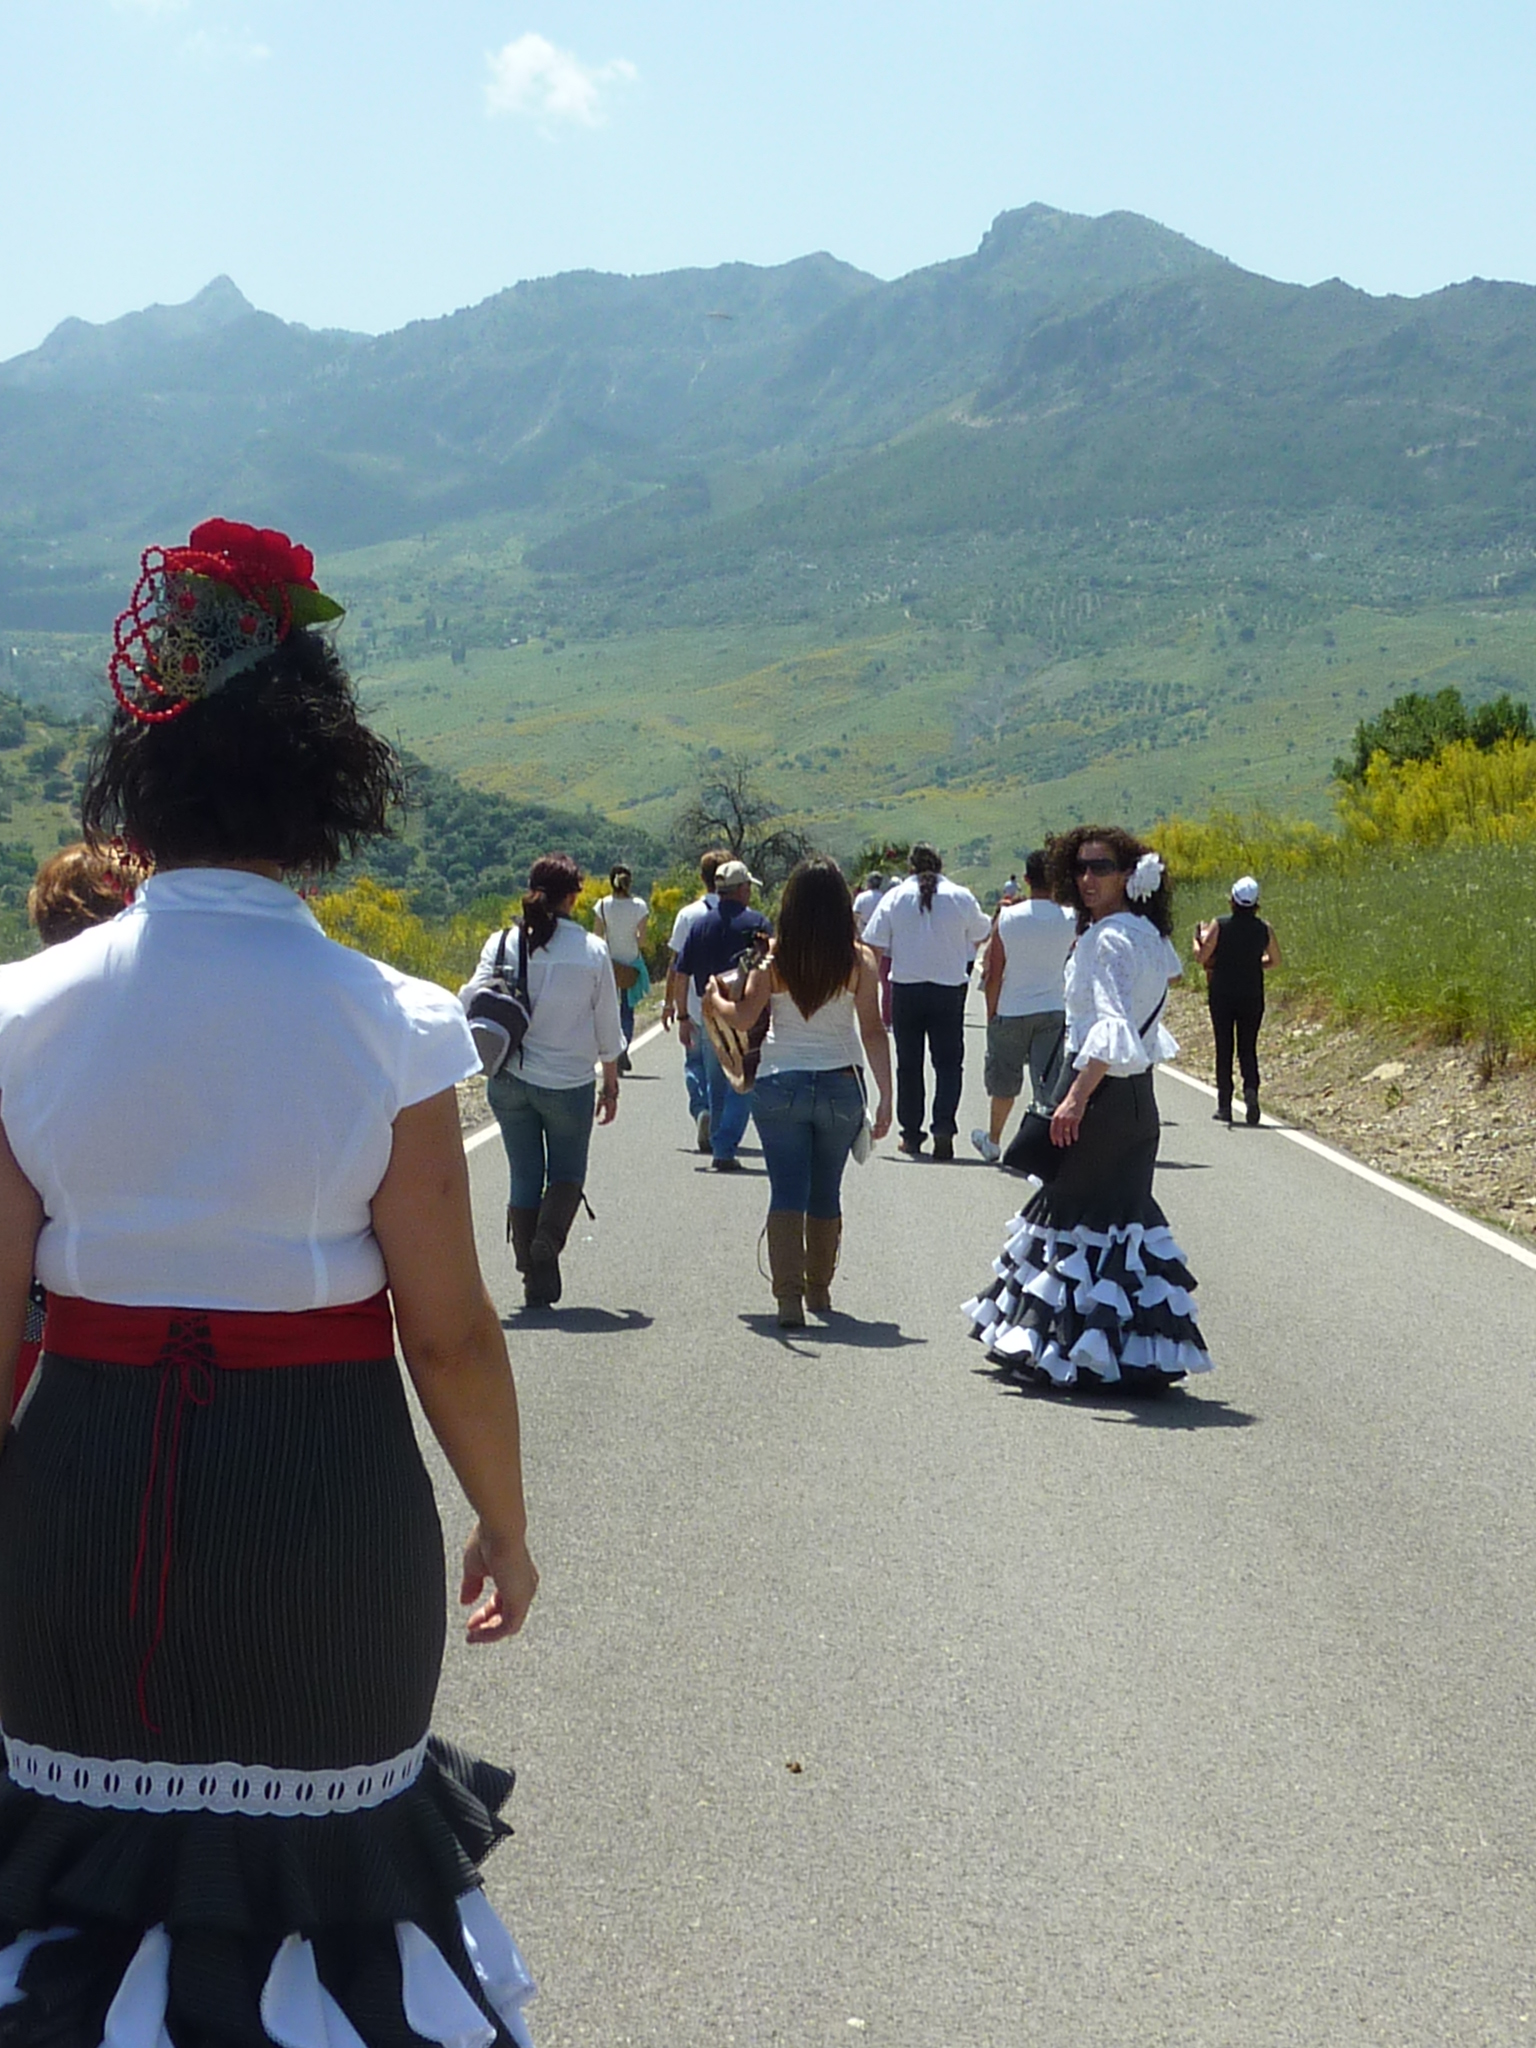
[{"x": 202, "y": 614}]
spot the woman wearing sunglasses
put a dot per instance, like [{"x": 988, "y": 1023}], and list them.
[{"x": 1093, "y": 1290}]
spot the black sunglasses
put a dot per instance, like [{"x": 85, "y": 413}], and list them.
[{"x": 1101, "y": 866}]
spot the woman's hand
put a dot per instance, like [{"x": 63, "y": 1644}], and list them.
[
  {"x": 880, "y": 1122},
  {"x": 514, "y": 1578},
  {"x": 1067, "y": 1119}
]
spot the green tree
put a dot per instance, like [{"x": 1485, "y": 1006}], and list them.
[
  {"x": 732, "y": 810},
  {"x": 1416, "y": 726}
]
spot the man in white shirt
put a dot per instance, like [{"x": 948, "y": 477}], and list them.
[
  {"x": 930, "y": 929},
  {"x": 682, "y": 1002},
  {"x": 1026, "y": 1008}
]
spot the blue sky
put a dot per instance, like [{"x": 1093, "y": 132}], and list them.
[{"x": 360, "y": 163}]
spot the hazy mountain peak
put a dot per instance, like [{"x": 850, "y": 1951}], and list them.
[
  {"x": 1109, "y": 250},
  {"x": 86, "y": 350}
]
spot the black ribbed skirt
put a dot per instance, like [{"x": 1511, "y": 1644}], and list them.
[{"x": 222, "y": 1615}]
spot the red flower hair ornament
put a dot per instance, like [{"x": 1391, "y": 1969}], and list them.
[{"x": 203, "y": 614}]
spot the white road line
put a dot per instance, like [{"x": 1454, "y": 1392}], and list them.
[
  {"x": 1427, "y": 1203},
  {"x": 488, "y": 1131}
]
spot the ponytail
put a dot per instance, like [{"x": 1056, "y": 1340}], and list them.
[
  {"x": 926, "y": 863},
  {"x": 539, "y": 920},
  {"x": 553, "y": 879}
]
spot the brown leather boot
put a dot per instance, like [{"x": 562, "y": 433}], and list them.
[
  {"x": 521, "y": 1224},
  {"x": 786, "y": 1265},
  {"x": 823, "y": 1236},
  {"x": 557, "y": 1212}
]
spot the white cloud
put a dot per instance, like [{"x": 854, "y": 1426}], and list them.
[
  {"x": 218, "y": 47},
  {"x": 530, "y": 76}
]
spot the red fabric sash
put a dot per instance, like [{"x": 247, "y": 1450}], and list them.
[
  {"x": 187, "y": 1346},
  {"x": 239, "y": 1339}
]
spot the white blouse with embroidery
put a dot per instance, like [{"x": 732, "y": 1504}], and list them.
[{"x": 1117, "y": 977}]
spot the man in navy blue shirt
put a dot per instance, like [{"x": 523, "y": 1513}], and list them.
[{"x": 714, "y": 946}]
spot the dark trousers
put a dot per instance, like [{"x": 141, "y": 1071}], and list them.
[
  {"x": 1239, "y": 1021},
  {"x": 927, "y": 1018}
]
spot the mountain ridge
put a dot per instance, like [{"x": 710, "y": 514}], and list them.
[{"x": 1068, "y": 368}]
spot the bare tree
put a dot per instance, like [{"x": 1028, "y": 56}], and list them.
[{"x": 732, "y": 810}]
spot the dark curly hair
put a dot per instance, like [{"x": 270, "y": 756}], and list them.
[
  {"x": 1061, "y": 867},
  {"x": 275, "y": 766}
]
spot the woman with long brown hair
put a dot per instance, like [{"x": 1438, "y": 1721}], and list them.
[
  {"x": 821, "y": 990},
  {"x": 1092, "y": 1288}
]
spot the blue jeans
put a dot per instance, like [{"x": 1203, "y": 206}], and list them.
[
  {"x": 694, "y": 1074},
  {"x": 807, "y": 1123},
  {"x": 547, "y": 1133},
  {"x": 728, "y": 1111}
]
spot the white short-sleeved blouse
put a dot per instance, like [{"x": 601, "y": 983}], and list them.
[
  {"x": 202, "y": 1092},
  {"x": 1116, "y": 979}
]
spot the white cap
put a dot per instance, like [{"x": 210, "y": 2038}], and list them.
[{"x": 1245, "y": 890}]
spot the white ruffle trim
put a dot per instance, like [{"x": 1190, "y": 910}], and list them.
[
  {"x": 296, "y": 2009},
  {"x": 1116, "y": 1043},
  {"x": 1067, "y": 1277},
  {"x": 130, "y": 1785}
]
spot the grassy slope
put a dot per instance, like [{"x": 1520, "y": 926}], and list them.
[
  {"x": 898, "y": 727},
  {"x": 968, "y": 725}
]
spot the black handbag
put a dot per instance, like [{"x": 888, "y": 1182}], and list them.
[
  {"x": 1031, "y": 1151},
  {"x": 499, "y": 1014}
]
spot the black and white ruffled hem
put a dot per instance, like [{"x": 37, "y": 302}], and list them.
[
  {"x": 1079, "y": 1306},
  {"x": 363, "y": 1929}
]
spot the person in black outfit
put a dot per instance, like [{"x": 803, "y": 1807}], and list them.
[{"x": 1236, "y": 951}]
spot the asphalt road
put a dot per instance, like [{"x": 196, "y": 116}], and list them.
[{"x": 867, "y": 1700}]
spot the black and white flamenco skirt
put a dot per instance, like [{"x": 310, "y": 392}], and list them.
[
  {"x": 1090, "y": 1288},
  {"x": 222, "y": 1820}
]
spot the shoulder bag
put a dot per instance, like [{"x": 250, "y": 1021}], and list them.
[{"x": 499, "y": 1013}]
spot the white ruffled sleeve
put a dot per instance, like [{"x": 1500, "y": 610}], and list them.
[{"x": 1112, "y": 1036}]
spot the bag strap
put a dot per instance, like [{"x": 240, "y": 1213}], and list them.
[
  {"x": 501, "y": 953},
  {"x": 1154, "y": 1016},
  {"x": 522, "y": 961},
  {"x": 1062, "y": 1083}
]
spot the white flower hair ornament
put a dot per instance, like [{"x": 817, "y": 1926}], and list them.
[{"x": 1146, "y": 878}]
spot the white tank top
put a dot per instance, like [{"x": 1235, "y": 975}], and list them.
[{"x": 818, "y": 1044}]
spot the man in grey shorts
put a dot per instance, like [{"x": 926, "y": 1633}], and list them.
[{"x": 1026, "y": 1013}]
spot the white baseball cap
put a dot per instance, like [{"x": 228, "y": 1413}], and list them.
[{"x": 1245, "y": 890}]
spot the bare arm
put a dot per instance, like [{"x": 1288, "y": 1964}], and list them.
[
  {"x": 21, "y": 1218},
  {"x": 674, "y": 992},
  {"x": 992, "y": 974},
  {"x": 1206, "y": 936},
  {"x": 455, "y": 1352},
  {"x": 877, "y": 1044},
  {"x": 1270, "y": 957}
]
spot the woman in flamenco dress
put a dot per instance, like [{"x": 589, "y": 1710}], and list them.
[
  {"x": 232, "y": 1147},
  {"x": 1090, "y": 1288}
]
